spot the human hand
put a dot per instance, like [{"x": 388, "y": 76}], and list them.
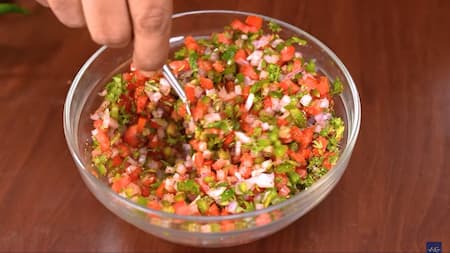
[{"x": 116, "y": 22}]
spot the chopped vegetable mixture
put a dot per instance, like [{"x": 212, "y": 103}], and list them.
[{"x": 262, "y": 127}]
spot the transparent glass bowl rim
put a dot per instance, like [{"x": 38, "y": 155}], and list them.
[{"x": 345, "y": 155}]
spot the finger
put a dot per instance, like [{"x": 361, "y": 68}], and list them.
[
  {"x": 43, "y": 2},
  {"x": 151, "y": 26},
  {"x": 69, "y": 12},
  {"x": 108, "y": 21}
]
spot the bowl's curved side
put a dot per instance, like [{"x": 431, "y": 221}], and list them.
[{"x": 178, "y": 228}]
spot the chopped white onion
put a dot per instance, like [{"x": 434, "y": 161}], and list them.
[
  {"x": 263, "y": 74},
  {"x": 271, "y": 58},
  {"x": 265, "y": 126},
  {"x": 106, "y": 118},
  {"x": 285, "y": 100},
  {"x": 212, "y": 117},
  {"x": 154, "y": 96},
  {"x": 276, "y": 42},
  {"x": 267, "y": 164},
  {"x": 324, "y": 103},
  {"x": 243, "y": 138},
  {"x": 249, "y": 102},
  {"x": 232, "y": 206},
  {"x": 263, "y": 41},
  {"x": 305, "y": 100},
  {"x": 263, "y": 180},
  {"x": 216, "y": 192},
  {"x": 170, "y": 170},
  {"x": 164, "y": 86},
  {"x": 259, "y": 206},
  {"x": 238, "y": 89},
  {"x": 102, "y": 93},
  {"x": 142, "y": 155},
  {"x": 255, "y": 57},
  {"x": 202, "y": 146},
  {"x": 130, "y": 169},
  {"x": 237, "y": 148}
]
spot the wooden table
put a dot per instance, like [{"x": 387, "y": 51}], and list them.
[{"x": 394, "y": 196}]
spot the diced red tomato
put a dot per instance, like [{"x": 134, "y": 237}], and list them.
[
  {"x": 181, "y": 208},
  {"x": 116, "y": 161},
  {"x": 204, "y": 65},
  {"x": 227, "y": 225},
  {"x": 240, "y": 56},
  {"x": 249, "y": 71},
  {"x": 190, "y": 92},
  {"x": 135, "y": 174},
  {"x": 302, "y": 137},
  {"x": 124, "y": 151},
  {"x": 119, "y": 184},
  {"x": 262, "y": 219},
  {"x": 199, "y": 160},
  {"x": 289, "y": 87},
  {"x": 323, "y": 86},
  {"x": 309, "y": 82},
  {"x": 297, "y": 66},
  {"x": 191, "y": 43},
  {"x": 254, "y": 21},
  {"x": 217, "y": 165},
  {"x": 287, "y": 53},
  {"x": 178, "y": 66},
  {"x": 238, "y": 25},
  {"x": 282, "y": 122},
  {"x": 141, "y": 124},
  {"x": 313, "y": 108},
  {"x": 298, "y": 157},
  {"x": 206, "y": 83},
  {"x": 131, "y": 136},
  {"x": 224, "y": 38},
  {"x": 267, "y": 102},
  {"x": 154, "y": 204},
  {"x": 218, "y": 66},
  {"x": 213, "y": 210},
  {"x": 103, "y": 140},
  {"x": 160, "y": 190},
  {"x": 229, "y": 138}
]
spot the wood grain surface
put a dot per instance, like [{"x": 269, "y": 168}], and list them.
[{"x": 394, "y": 196}]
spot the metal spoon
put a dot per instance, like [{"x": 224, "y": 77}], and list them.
[{"x": 176, "y": 86}]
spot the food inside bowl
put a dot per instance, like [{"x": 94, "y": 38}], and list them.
[{"x": 262, "y": 128}]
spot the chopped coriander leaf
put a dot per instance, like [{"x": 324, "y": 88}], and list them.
[
  {"x": 239, "y": 78},
  {"x": 229, "y": 53},
  {"x": 115, "y": 89},
  {"x": 274, "y": 72},
  {"x": 274, "y": 27},
  {"x": 276, "y": 94},
  {"x": 260, "y": 145},
  {"x": 193, "y": 56},
  {"x": 226, "y": 196},
  {"x": 181, "y": 53},
  {"x": 100, "y": 163},
  {"x": 298, "y": 117},
  {"x": 225, "y": 125},
  {"x": 296, "y": 40},
  {"x": 188, "y": 186},
  {"x": 336, "y": 87},
  {"x": 285, "y": 167},
  {"x": 310, "y": 67}
]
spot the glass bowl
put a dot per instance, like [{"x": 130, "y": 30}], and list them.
[{"x": 213, "y": 231}]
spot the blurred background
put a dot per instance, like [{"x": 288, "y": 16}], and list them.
[{"x": 394, "y": 196}]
